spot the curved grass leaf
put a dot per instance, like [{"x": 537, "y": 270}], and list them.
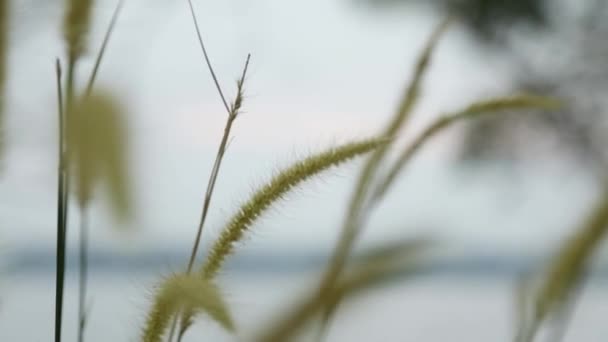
[{"x": 566, "y": 269}]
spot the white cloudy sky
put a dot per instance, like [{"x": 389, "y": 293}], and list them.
[{"x": 321, "y": 72}]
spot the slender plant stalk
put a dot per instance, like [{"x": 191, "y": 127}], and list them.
[
  {"x": 61, "y": 219},
  {"x": 232, "y": 111},
  {"x": 83, "y": 271},
  {"x": 201, "y": 43},
  {"x": 104, "y": 45},
  {"x": 232, "y": 115},
  {"x": 565, "y": 272}
]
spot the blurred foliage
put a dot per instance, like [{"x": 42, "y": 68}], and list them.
[
  {"x": 558, "y": 48},
  {"x": 485, "y": 18},
  {"x": 97, "y": 141}
]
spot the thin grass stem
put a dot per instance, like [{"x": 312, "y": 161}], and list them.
[
  {"x": 83, "y": 272},
  {"x": 104, "y": 44},
  {"x": 61, "y": 226}
]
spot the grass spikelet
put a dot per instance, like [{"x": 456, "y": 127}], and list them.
[
  {"x": 4, "y": 8},
  {"x": 475, "y": 110},
  {"x": 566, "y": 270},
  {"x": 400, "y": 259},
  {"x": 274, "y": 190},
  {"x": 97, "y": 140},
  {"x": 76, "y": 24},
  {"x": 185, "y": 290}
]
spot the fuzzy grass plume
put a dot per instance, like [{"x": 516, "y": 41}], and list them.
[
  {"x": 76, "y": 23},
  {"x": 178, "y": 291},
  {"x": 273, "y": 191},
  {"x": 566, "y": 270}
]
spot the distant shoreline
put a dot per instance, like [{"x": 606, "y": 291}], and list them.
[{"x": 490, "y": 266}]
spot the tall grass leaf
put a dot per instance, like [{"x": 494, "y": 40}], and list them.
[
  {"x": 475, "y": 110},
  {"x": 566, "y": 269},
  {"x": 4, "y": 16},
  {"x": 274, "y": 190},
  {"x": 97, "y": 145},
  {"x": 379, "y": 267},
  {"x": 182, "y": 291}
]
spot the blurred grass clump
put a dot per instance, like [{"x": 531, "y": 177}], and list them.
[{"x": 93, "y": 145}]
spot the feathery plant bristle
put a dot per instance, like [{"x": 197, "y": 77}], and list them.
[
  {"x": 76, "y": 24},
  {"x": 380, "y": 266},
  {"x": 4, "y": 8},
  {"x": 566, "y": 270},
  {"x": 179, "y": 291},
  {"x": 97, "y": 140},
  {"x": 475, "y": 110},
  {"x": 274, "y": 190}
]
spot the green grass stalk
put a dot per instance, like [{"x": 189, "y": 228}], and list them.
[{"x": 61, "y": 225}]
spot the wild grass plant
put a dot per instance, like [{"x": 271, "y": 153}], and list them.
[{"x": 92, "y": 144}]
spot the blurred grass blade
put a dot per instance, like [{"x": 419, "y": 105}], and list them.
[
  {"x": 4, "y": 27},
  {"x": 357, "y": 207},
  {"x": 565, "y": 271},
  {"x": 97, "y": 144},
  {"x": 475, "y": 110},
  {"x": 381, "y": 266},
  {"x": 182, "y": 291}
]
